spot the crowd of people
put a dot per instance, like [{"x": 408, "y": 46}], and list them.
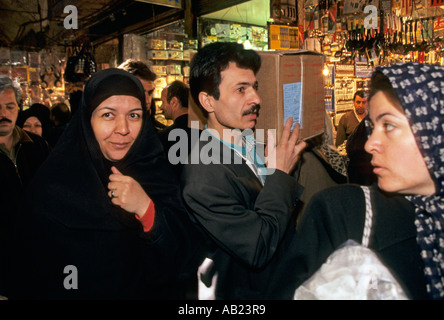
[{"x": 94, "y": 208}]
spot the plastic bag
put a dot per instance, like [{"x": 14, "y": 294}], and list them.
[{"x": 352, "y": 272}]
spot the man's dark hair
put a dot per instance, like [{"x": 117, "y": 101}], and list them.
[
  {"x": 139, "y": 69},
  {"x": 61, "y": 112},
  {"x": 179, "y": 90},
  {"x": 211, "y": 60},
  {"x": 360, "y": 93}
]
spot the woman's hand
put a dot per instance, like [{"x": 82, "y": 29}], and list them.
[
  {"x": 127, "y": 193},
  {"x": 286, "y": 154}
]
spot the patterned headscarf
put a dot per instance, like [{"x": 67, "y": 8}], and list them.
[{"x": 420, "y": 88}]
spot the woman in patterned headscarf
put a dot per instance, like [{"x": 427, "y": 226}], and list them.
[
  {"x": 420, "y": 89},
  {"x": 406, "y": 111}
]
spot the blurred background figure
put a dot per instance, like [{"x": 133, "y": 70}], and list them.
[
  {"x": 36, "y": 119},
  {"x": 350, "y": 120},
  {"x": 175, "y": 107},
  {"x": 143, "y": 72},
  {"x": 60, "y": 117}
]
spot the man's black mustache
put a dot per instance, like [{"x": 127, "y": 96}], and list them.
[
  {"x": 5, "y": 120},
  {"x": 253, "y": 109}
]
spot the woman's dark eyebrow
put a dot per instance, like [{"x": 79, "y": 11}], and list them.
[
  {"x": 114, "y": 109},
  {"x": 104, "y": 108},
  {"x": 382, "y": 115}
]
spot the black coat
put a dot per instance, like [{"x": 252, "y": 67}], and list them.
[
  {"x": 68, "y": 221},
  {"x": 249, "y": 226},
  {"x": 181, "y": 124},
  {"x": 359, "y": 168},
  {"x": 31, "y": 151},
  {"x": 337, "y": 214}
]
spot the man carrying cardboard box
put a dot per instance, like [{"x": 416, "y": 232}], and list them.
[{"x": 245, "y": 210}]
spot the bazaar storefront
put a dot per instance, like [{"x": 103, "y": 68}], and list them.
[{"x": 353, "y": 35}]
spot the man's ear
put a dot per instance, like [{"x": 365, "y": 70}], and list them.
[
  {"x": 205, "y": 100},
  {"x": 174, "y": 102}
]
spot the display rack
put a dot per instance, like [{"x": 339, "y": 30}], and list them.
[
  {"x": 40, "y": 74},
  {"x": 168, "y": 51}
]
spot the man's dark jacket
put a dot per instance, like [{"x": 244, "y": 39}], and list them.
[
  {"x": 31, "y": 151},
  {"x": 249, "y": 226}
]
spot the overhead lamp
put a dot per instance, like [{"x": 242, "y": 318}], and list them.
[{"x": 326, "y": 71}]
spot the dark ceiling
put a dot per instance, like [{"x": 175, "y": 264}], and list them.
[{"x": 34, "y": 24}]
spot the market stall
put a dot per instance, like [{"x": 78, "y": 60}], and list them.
[
  {"x": 357, "y": 35},
  {"x": 354, "y": 36}
]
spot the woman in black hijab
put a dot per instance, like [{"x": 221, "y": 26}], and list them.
[
  {"x": 42, "y": 113},
  {"x": 103, "y": 218}
]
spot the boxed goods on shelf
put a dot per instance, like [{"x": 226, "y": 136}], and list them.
[
  {"x": 173, "y": 78},
  {"x": 175, "y": 55},
  {"x": 158, "y": 55},
  {"x": 159, "y": 70},
  {"x": 156, "y": 44},
  {"x": 160, "y": 82},
  {"x": 174, "y": 45},
  {"x": 174, "y": 69}
]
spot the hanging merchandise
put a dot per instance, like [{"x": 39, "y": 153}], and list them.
[
  {"x": 354, "y": 6},
  {"x": 50, "y": 76},
  {"x": 436, "y": 3},
  {"x": 284, "y": 11},
  {"x": 50, "y": 70},
  {"x": 80, "y": 66}
]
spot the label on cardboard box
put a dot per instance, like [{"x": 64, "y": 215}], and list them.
[{"x": 293, "y": 103}]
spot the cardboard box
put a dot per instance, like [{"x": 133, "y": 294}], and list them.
[
  {"x": 158, "y": 54},
  {"x": 291, "y": 83}
]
